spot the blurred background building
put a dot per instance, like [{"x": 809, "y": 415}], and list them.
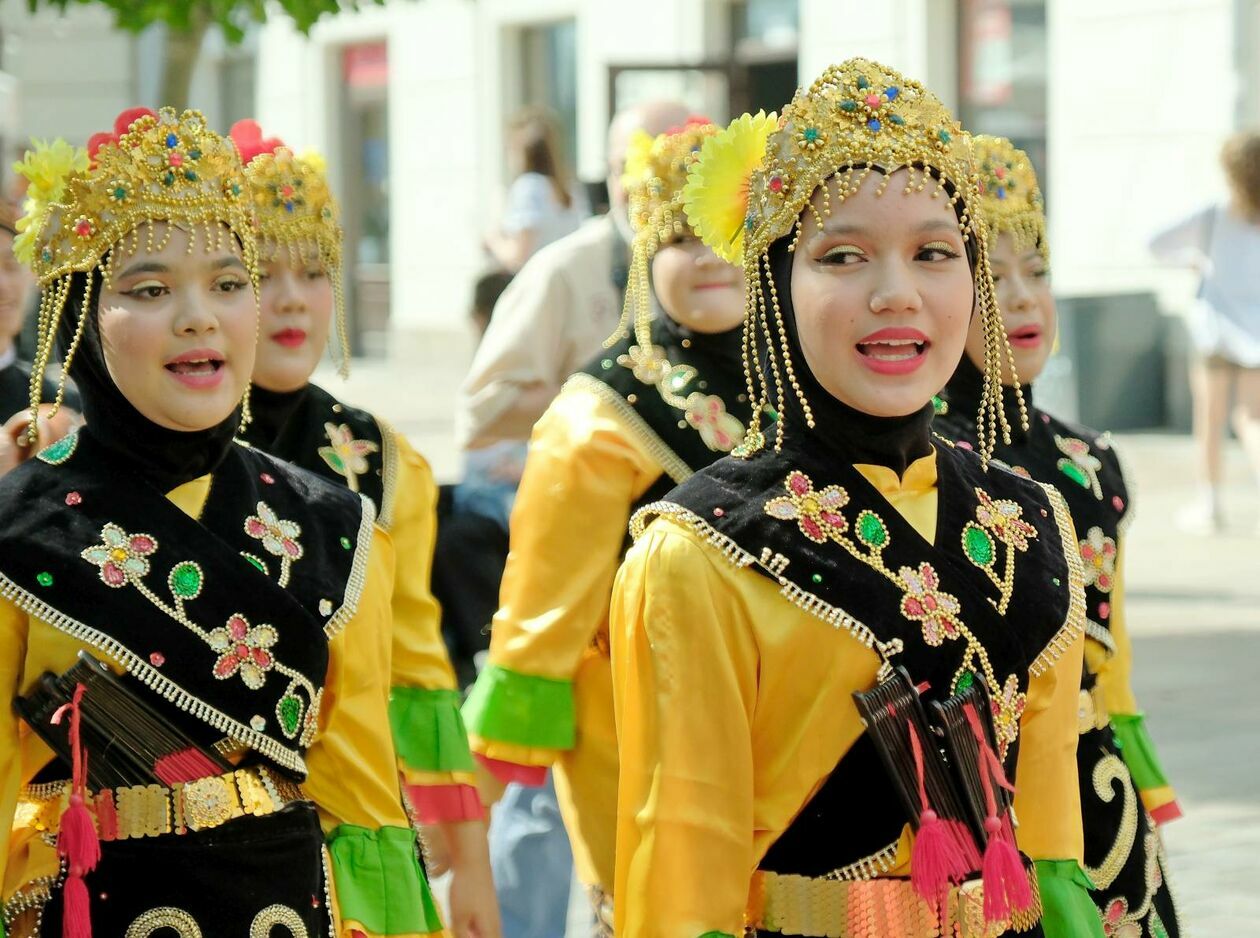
[{"x": 1123, "y": 105}]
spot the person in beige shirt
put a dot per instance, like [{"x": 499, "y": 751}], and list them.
[{"x": 564, "y": 302}]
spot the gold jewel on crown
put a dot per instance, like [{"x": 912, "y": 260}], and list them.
[
  {"x": 154, "y": 167},
  {"x": 297, "y": 215},
  {"x": 1010, "y": 199}
]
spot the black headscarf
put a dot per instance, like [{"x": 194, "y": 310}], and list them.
[
  {"x": 843, "y": 432},
  {"x": 165, "y": 458}
]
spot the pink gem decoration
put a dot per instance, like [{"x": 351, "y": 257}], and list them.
[
  {"x": 776, "y": 184},
  {"x": 1045, "y": 418},
  {"x": 176, "y": 159},
  {"x": 73, "y": 498},
  {"x": 1104, "y": 610},
  {"x": 1000, "y": 172},
  {"x": 872, "y": 101},
  {"x": 1118, "y": 502},
  {"x": 267, "y": 478},
  {"x": 963, "y": 444},
  {"x": 157, "y": 659},
  {"x": 718, "y": 512}
]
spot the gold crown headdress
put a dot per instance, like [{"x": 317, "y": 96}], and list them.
[
  {"x": 1010, "y": 199},
  {"x": 81, "y": 203},
  {"x": 755, "y": 180},
  {"x": 656, "y": 171},
  {"x": 296, "y": 211}
]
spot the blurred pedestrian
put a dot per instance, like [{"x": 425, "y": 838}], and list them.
[
  {"x": 1223, "y": 243},
  {"x": 544, "y": 202},
  {"x": 550, "y": 320}
]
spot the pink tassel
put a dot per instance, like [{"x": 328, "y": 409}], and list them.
[
  {"x": 935, "y": 858},
  {"x": 1006, "y": 888},
  {"x": 76, "y": 916},
  {"x": 77, "y": 842}
]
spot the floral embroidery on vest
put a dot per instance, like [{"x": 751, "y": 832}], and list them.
[
  {"x": 720, "y": 430},
  {"x": 123, "y": 560},
  {"x": 819, "y": 516},
  {"x": 346, "y": 456},
  {"x": 997, "y": 522},
  {"x": 1080, "y": 465}
]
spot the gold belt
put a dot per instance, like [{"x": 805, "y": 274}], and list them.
[
  {"x": 1091, "y": 713},
  {"x": 153, "y": 810},
  {"x": 876, "y": 908}
]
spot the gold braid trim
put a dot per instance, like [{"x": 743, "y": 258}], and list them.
[
  {"x": 774, "y": 565},
  {"x": 1111, "y": 768},
  {"x": 148, "y": 675},
  {"x": 358, "y": 571},
  {"x": 389, "y": 472},
  {"x": 665, "y": 457},
  {"x": 1074, "y": 621}
]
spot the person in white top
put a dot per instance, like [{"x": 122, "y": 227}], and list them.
[
  {"x": 558, "y": 309},
  {"x": 1223, "y": 243},
  {"x": 544, "y": 202}
]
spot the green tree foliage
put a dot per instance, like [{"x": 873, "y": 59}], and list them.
[{"x": 186, "y": 22}]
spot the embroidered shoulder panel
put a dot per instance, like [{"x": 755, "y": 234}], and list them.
[{"x": 217, "y": 615}]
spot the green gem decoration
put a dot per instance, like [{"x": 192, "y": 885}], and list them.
[
  {"x": 896, "y": 120},
  {"x": 849, "y": 106},
  {"x": 811, "y": 134},
  {"x": 817, "y": 577},
  {"x": 119, "y": 193},
  {"x": 862, "y": 82},
  {"x": 978, "y": 544},
  {"x": 190, "y": 175},
  {"x": 56, "y": 453},
  {"x": 185, "y": 580},
  {"x": 871, "y": 530},
  {"x": 945, "y": 136},
  {"x": 194, "y": 154},
  {"x": 1056, "y": 581},
  {"x": 345, "y": 542},
  {"x": 168, "y": 179},
  {"x": 939, "y": 406},
  {"x": 1158, "y": 930},
  {"x": 44, "y": 578},
  {"x": 606, "y": 363},
  {"x": 1074, "y": 472},
  {"x": 289, "y": 710},
  {"x": 964, "y": 682},
  {"x": 256, "y": 562},
  {"x": 678, "y": 379}
]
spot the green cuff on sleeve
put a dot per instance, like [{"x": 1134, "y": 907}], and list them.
[
  {"x": 379, "y": 881},
  {"x": 428, "y": 730},
  {"x": 1138, "y": 751},
  {"x": 1067, "y": 909},
  {"x": 522, "y": 709}
]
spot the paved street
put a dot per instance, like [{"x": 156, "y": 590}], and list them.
[{"x": 1195, "y": 616}]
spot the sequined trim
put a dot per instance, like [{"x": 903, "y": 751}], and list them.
[
  {"x": 358, "y": 572},
  {"x": 881, "y": 861},
  {"x": 673, "y": 465},
  {"x": 773, "y": 564},
  {"x": 177, "y": 920},
  {"x": 150, "y": 676},
  {"x": 1074, "y": 621},
  {"x": 1101, "y": 635},
  {"x": 389, "y": 473},
  {"x": 275, "y": 915},
  {"x": 1108, "y": 770}
]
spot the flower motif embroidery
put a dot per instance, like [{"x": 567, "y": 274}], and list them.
[
  {"x": 1004, "y": 518},
  {"x": 346, "y": 456},
  {"x": 924, "y": 602},
  {"x": 1080, "y": 465},
  {"x": 1007, "y": 710},
  {"x": 648, "y": 364},
  {"x": 720, "y": 431},
  {"x": 120, "y": 556},
  {"x": 816, "y": 513},
  {"x": 243, "y": 650},
  {"x": 1098, "y": 560},
  {"x": 998, "y": 521},
  {"x": 278, "y": 536},
  {"x": 1117, "y": 923}
]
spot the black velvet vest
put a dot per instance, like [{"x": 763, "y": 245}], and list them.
[
  {"x": 997, "y": 578},
  {"x": 224, "y": 618}
]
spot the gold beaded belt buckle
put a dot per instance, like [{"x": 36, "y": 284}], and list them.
[
  {"x": 876, "y": 908},
  {"x": 153, "y": 810},
  {"x": 1091, "y": 713}
]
